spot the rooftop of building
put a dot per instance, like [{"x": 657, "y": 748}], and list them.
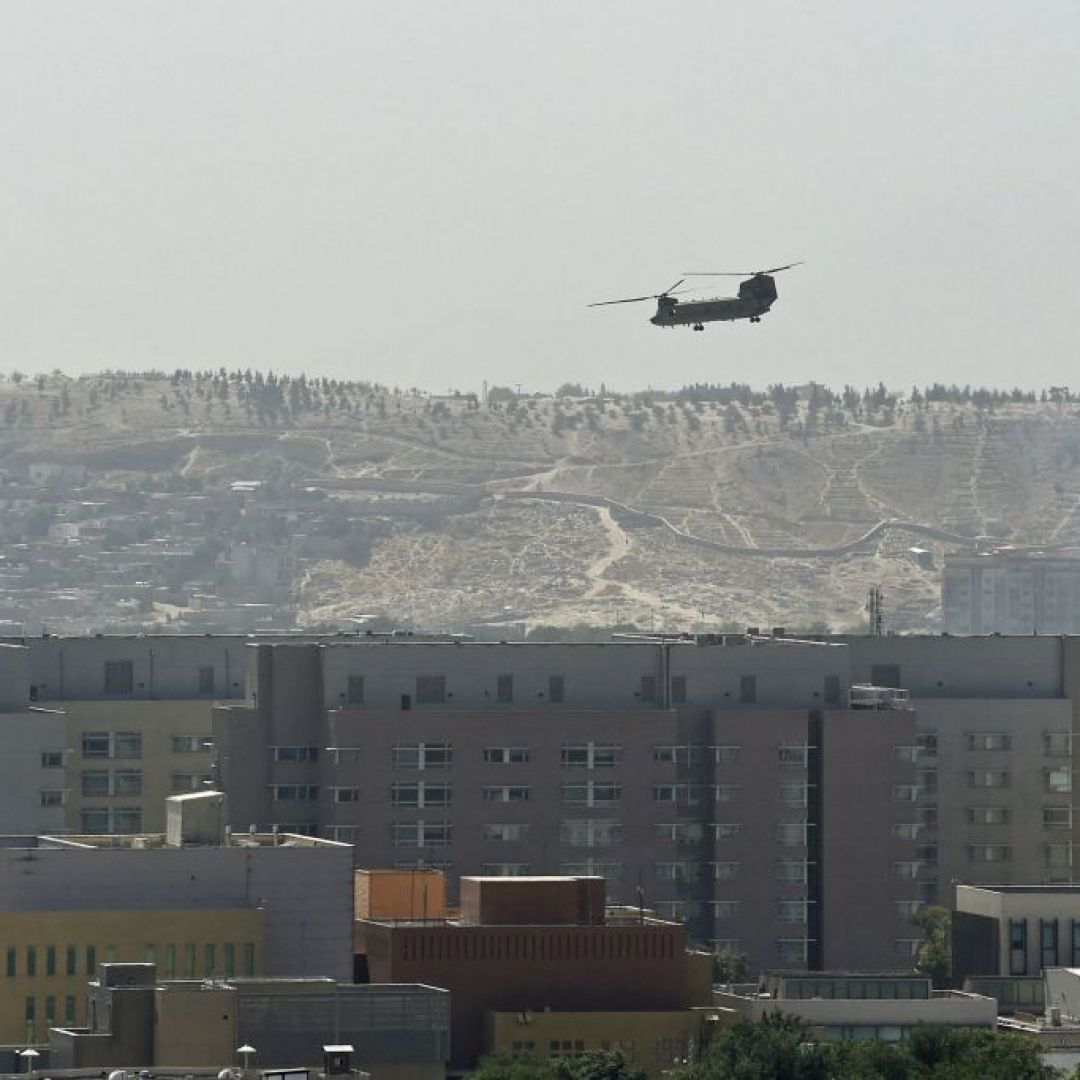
[{"x": 151, "y": 841}]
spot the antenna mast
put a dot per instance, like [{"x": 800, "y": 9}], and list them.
[{"x": 877, "y": 611}]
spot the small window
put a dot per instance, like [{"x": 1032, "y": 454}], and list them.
[
  {"x": 53, "y": 797},
  {"x": 96, "y": 744},
  {"x": 748, "y": 689},
  {"x": 206, "y": 679},
  {"x": 505, "y": 689},
  {"x": 678, "y": 689},
  {"x": 71, "y": 967},
  {"x": 52, "y": 759},
  {"x": 986, "y": 740},
  {"x": 69, "y": 1010},
  {"x": 648, "y": 688},
  {"x": 346, "y": 794},
  {"x": 1057, "y": 817},
  {"x": 355, "y": 692},
  {"x": 119, "y": 677},
  {"x": 556, "y": 689},
  {"x": 430, "y": 689},
  {"x": 127, "y": 744},
  {"x": 50, "y": 960},
  {"x": 94, "y": 782}
]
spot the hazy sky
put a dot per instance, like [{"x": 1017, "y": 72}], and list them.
[{"x": 430, "y": 193}]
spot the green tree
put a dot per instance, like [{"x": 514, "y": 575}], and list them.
[
  {"x": 595, "y": 1065},
  {"x": 935, "y": 953},
  {"x": 730, "y": 966}
]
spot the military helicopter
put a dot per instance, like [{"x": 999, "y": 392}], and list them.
[{"x": 756, "y": 295}]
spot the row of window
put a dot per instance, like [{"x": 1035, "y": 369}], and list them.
[
  {"x": 423, "y": 794},
  {"x": 50, "y": 960},
  {"x": 1052, "y": 817},
  {"x": 580, "y": 755},
  {"x": 1055, "y": 743},
  {"x": 431, "y": 690}
]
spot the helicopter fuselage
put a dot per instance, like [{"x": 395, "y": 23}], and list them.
[{"x": 691, "y": 312}]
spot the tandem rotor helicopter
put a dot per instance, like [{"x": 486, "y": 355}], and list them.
[{"x": 757, "y": 293}]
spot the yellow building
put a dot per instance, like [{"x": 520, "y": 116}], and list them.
[
  {"x": 124, "y": 758},
  {"x": 47, "y": 957}
]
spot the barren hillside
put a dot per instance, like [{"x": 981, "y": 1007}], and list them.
[{"x": 441, "y": 513}]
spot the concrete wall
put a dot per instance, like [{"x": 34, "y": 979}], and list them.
[
  {"x": 162, "y": 667},
  {"x": 14, "y": 678},
  {"x": 27, "y": 779}
]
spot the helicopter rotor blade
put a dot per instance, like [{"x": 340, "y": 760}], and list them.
[
  {"x": 629, "y": 300},
  {"x": 671, "y": 287},
  {"x": 741, "y": 273}
]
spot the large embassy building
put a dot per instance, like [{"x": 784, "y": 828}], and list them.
[{"x": 772, "y": 793}]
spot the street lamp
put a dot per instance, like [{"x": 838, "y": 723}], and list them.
[
  {"x": 245, "y": 1052},
  {"x": 29, "y": 1055}
]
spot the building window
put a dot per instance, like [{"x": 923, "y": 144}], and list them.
[
  {"x": 1017, "y": 946},
  {"x": 11, "y": 961},
  {"x": 793, "y": 911},
  {"x": 907, "y": 909},
  {"x": 423, "y": 756},
  {"x": 127, "y": 744},
  {"x": 590, "y": 833},
  {"x": 96, "y": 744},
  {"x": 354, "y": 693},
  {"x": 1058, "y": 856},
  {"x": 906, "y": 871},
  {"x": 908, "y": 754},
  {"x": 683, "y": 833},
  {"x": 591, "y": 793},
  {"x": 791, "y": 833},
  {"x": 791, "y": 950},
  {"x": 1058, "y": 779},
  {"x": 505, "y": 869},
  {"x": 504, "y": 691},
  {"x": 53, "y": 797},
  {"x": 420, "y": 833},
  {"x": 683, "y": 794},
  {"x": 556, "y": 689},
  {"x": 723, "y": 793},
  {"x": 748, "y": 689},
  {"x": 725, "y": 872},
  {"x": 592, "y": 868},
  {"x": 346, "y": 794},
  {"x": 928, "y": 816},
  {"x": 94, "y": 782},
  {"x": 988, "y": 778},
  {"x": 287, "y": 755},
  {"x": 191, "y": 744},
  {"x": 507, "y": 793},
  {"x": 678, "y": 689},
  {"x": 1048, "y": 943},
  {"x": 792, "y": 871},
  {"x": 981, "y": 740},
  {"x": 52, "y": 759},
  {"x": 249, "y": 958},
  {"x": 420, "y": 794},
  {"x": 725, "y": 830},
  {"x": 927, "y": 743},
  {"x": 678, "y": 871},
  {"x": 648, "y": 689},
  {"x": 928, "y": 780},
  {"x": 345, "y": 834},
  {"x": 189, "y": 961},
  {"x": 989, "y": 815},
  {"x": 126, "y": 820},
  {"x": 119, "y": 677},
  {"x": 907, "y": 830},
  {"x": 793, "y": 794},
  {"x": 209, "y": 960},
  {"x": 206, "y": 679},
  {"x": 1057, "y": 817},
  {"x": 31, "y": 960},
  {"x": 69, "y": 1010},
  {"x": 91, "y": 961},
  {"x": 344, "y": 755},
  {"x": 510, "y": 832},
  {"x": 591, "y": 755},
  {"x": 229, "y": 951},
  {"x": 684, "y": 756},
  {"x": 727, "y": 755},
  {"x": 294, "y": 792},
  {"x": 506, "y": 755},
  {"x": 71, "y": 958},
  {"x": 430, "y": 689},
  {"x": 127, "y": 782},
  {"x": 50, "y": 959},
  {"x": 1057, "y": 743},
  {"x": 793, "y": 755},
  {"x": 180, "y": 782},
  {"x": 989, "y": 853}
]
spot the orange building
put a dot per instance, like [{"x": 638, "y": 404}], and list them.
[{"x": 534, "y": 945}]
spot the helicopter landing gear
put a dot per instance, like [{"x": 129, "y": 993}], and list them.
[
  {"x": 698, "y": 326},
  {"x": 755, "y": 318}
]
